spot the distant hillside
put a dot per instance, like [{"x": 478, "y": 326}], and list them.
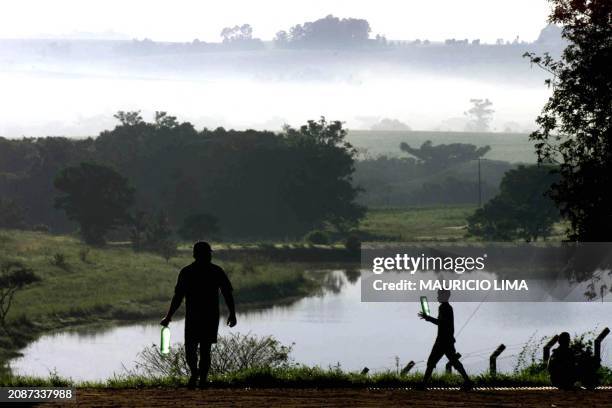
[{"x": 509, "y": 147}]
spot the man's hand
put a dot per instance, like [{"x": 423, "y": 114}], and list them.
[
  {"x": 165, "y": 321},
  {"x": 423, "y": 316},
  {"x": 231, "y": 320}
]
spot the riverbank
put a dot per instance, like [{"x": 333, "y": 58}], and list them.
[
  {"x": 84, "y": 286},
  {"x": 97, "y": 287}
]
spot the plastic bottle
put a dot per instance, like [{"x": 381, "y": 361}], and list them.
[
  {"x": 425, "y": 305},
  {"x": 164, "y": 344}
]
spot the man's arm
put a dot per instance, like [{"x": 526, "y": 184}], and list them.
[
  {"x": 430, "y": 319},
  {"x": 229, "y": 301},
  {"x": 228, "y": 296},
  {"x": 177, "y": 299}
]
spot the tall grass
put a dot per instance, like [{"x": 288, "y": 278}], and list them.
[
  {"x": 251, "y": 361},
  {"x": 418, "y": 223},
  {"x": 293, "y": 377}
]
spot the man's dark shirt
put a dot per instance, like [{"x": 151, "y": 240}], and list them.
[
  {"x": 200, "y": 283},
  {"x": 446, "y": 323},
  {"x": 562, "y": 367}
]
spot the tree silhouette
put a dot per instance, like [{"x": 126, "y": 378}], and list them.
[
  {"x": 320, "y": 169},
  {"x": 575, "y": 126},
  {"x": 96, "y": 197},
  {"x": 521, "y": 210},
  {"x": 130, "y": 118},
  {"x": 159, "y": 236},
  {"x": 14, "y": 276},
  {"x": 480, "y": 114},
  {"x": 445, "y": 155},
  {"x": 328, "y": 32},
  {"x": 243, "y": 32},
  {"x": 162, "y": 119}
]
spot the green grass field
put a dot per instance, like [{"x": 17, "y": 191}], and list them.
[
  {"x": 441, "y": 223},
  {"x": 417, "y": 224},
  {"x": 118, "y": 283},
  {"x": 510, "y": 147}
]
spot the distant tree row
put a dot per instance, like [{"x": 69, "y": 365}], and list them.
[{"x": 326, "y": 32}]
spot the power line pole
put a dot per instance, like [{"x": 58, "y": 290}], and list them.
[{"x": 479, "y": 186}]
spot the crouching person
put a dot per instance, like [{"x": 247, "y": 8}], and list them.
[{"x": 562, "y": 364}]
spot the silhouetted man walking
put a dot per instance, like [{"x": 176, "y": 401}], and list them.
[
  {"x": 199, "y": 283},
  {"x": 445, "y": 341}
]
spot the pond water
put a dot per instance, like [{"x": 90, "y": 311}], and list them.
[{"x": 333, "y": 328}]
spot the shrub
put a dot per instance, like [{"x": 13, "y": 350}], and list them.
[
  {"x": 317, "y": 237},
  {"x": 140, "y": 224},
  {"x": 59, "y": 260},
  {"x": 159, "y": 237},
  {"x": 11, "y": 214},
  {"x": 41, "y": 228},
  {"x": 84, "y": 254},
  {"x": 353, "y": 243},
  {"x": 232, "y": 353},
  {"x": 266, "y": 246}
]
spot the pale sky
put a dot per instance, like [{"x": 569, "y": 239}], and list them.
[{"x": 184, "y": 20}]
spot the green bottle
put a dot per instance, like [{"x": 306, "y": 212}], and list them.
[
  {"x": 164, "y": 344},
  {"x": 424, "y": 305}
]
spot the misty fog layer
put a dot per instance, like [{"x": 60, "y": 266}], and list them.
[{"x": 75, "y": 91}]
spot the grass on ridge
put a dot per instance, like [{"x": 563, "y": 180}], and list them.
[{"x": 293, "y": 377}]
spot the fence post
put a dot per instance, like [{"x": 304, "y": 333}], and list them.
[
  {"x": 493, "y": 359},
  {"x": 548, "y": 346},
  {"x": 597, "y": 345},
  {"x": 449, "y": 366},
  {"x": 407, "y": 369}
]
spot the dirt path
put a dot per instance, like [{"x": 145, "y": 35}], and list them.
[{"x": 351, "y": 398}]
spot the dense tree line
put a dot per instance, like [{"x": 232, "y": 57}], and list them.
[{"x": 248, "y": 183}]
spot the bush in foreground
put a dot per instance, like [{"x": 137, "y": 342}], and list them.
[{"x": 232, "y": 353}]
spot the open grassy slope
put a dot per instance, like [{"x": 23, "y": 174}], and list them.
[{"x": 510, "y": 147}]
